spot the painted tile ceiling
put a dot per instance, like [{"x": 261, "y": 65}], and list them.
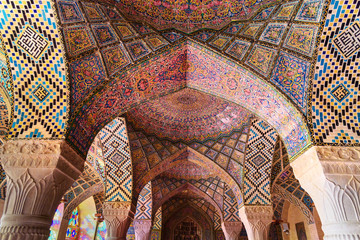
[
  {"x": 189, "y": 15},
  {"x": 188, "y": 115}
]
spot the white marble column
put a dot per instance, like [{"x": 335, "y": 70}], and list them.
[
  {"x": 38, "y": 174},
  {"x": 331, "y": 177},
  {"x": 257, "y": 220},
  {"x": 231, "y": 230},
  {"x": 117, "y": 219}
]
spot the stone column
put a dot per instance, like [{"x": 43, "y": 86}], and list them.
[
  {"x": 38, "y": 174},
  {"x": 231, "y": 230},
  {"x": 63, "y": 228},
  {"x": 117, "y": 216},
  {"x": 331, "y": 177},
  {"x": 257, "y": 220},
  {"x": 142, "y": 229}
]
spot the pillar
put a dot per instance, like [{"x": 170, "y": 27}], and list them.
[
  {"x": 257, "y": 220},
  {"x": 331, "y": 177},
  {"x": 38, "y": 173},
  {"x": 63, "y": 228},
  {"x": 117, "y": 217},
  {"x": 231, "y": 230},
  {"x": 142, "y": 229}
]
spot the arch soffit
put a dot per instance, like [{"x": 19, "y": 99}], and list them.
[
  {"x": 251, "y": 92},
  {"x": 192, "y": 189},
  {"x": 198, "y": 159}
]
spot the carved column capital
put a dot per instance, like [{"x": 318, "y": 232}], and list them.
[
  {"x": 117, "y": 219},
  {"x": 142, "y": 229},
  {"x": 257, "y": 220},
  {"x": 38, "y": 174},
  {"x": 231, "y": 230},
  {"x": 331, "y": 176}
]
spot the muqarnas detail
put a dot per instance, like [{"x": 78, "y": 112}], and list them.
[
  {"x": 93, "y": 12},
  {"x": 137, "y": 49},
  {"x": 264, "y": 14},
  {"x": 104, "y": 34},
  {"x": 302, "y": 38},
  {"x": 310, "y": 11},
  {"x": 115, "y": 58},
  {"x": 220, "y": 41},
  {"x": 251, "y": 30},
  {"x": 261, "y": 59},
  {"x": 78, "y": 39},
  {"x": 285, "y": 11},
  {"x": 291, "y": 76},
  {"x": 156, "y": 42},
  {"x": 238, "y": 49},
  {"x": 125, "y": 31},
  {"x": 273, "y": 33},
  {"x": 69, "y": 12}
]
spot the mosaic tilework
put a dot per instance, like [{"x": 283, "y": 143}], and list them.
[
  {"x": 40, "y": 109},
  {"x": 69, "y": 11},
  {"x": 280, "y": 160},
  {"x": 257, "y": 165},
  {"x": 142, "y": 29},
  {"x": 190, "y": 16},
  {"x": 310, "y": 11},
  {"x": 234, "y": 29},
  {"x": 348, "y": 42},
  {"x": 238, "y": 49},
  {"x": 86, "y": 74},
  {"x": 217, "y": 222},
  {"x": 115, "y": 58},
  {"x": 144, "y": 203},
  {"x": 78, "y": 39},
  {"x": 204, "y": 35},
  {"x": 155, "y": 235},
  {"x": 252, "y": 30},
  {"x": 2, "y": 183},
  {"x": 301, "y": 38},
  {"x": 264, "y": 14},
  {"x": 273, "y": 33},
  {"x": 99, "y": 199},
  {"x": 285, "y": 11},
  {"x": 278, "y": 204},
  {"x": 137, "y": 49},
  {"x": 172, "y": 36},
  {"x": 336, "y": 79},
  {"x": 32, "y": 42},
  {"x": 93, "y": 12},
  {"x": 125, "y": 31},
  {"x": 291, "y": 75},
  {"x": 117, "y": 157},
  {"x": 220, "y": 41},
  {"x": 104, "y": 34},
  {"x": 157, "y": 223},
  {"x": 231, "y": 208},
  {"x": 156, "y": 42},
  {"x": 261, "y": 59}
]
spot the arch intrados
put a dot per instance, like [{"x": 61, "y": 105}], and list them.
[
  {"x": 253, "y": 93},
  {"x": 202, "y": 161},
  {"x": 192, "y": 189}
]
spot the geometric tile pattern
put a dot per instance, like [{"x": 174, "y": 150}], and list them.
[
  {"x": 93, "y": 12},
  {"x": 291, "y": 75},
  {"x": 310, "y": 11},
  {"x": 234, "y": 29},
  {"x": 142, "y": 29},
  {"x": 204, "y": 35},
  {"x": 158, "y": 219},
  {"x": 285, "y": 11},
  {"x": 220, "y": 41},
  {"x": 95, "y": 157},
  {"x": 173, "y": 36},
  {"x": 104, "y": 34},
  {"x": 252, "y": 30},
  {"x": 35, "y": 55},
  {"x": 2, "y": 183},
  {"x": 335, "y": 84},
  {"x": 257, "y": 165},
  {"x": 112, "y": 13},
  {"x": 273, "y": 33},
  {"x": 261, "y": 58},
  {"x": 231, "y": 208},
  {"x": 137, "y": 49},
  {"x": 156, "y": 42},
  {"x": 144, "y": 203},
  {"x": 116, "y": 152},
  {"x": 125, "y": 31},
  {"x": 301, "y": 38},
  {"x": 280, "y": 160},
  {"x": 115, "y": 58},
  {"x": 99, "y": 200},
  {"x": 348, "y": 42}
]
